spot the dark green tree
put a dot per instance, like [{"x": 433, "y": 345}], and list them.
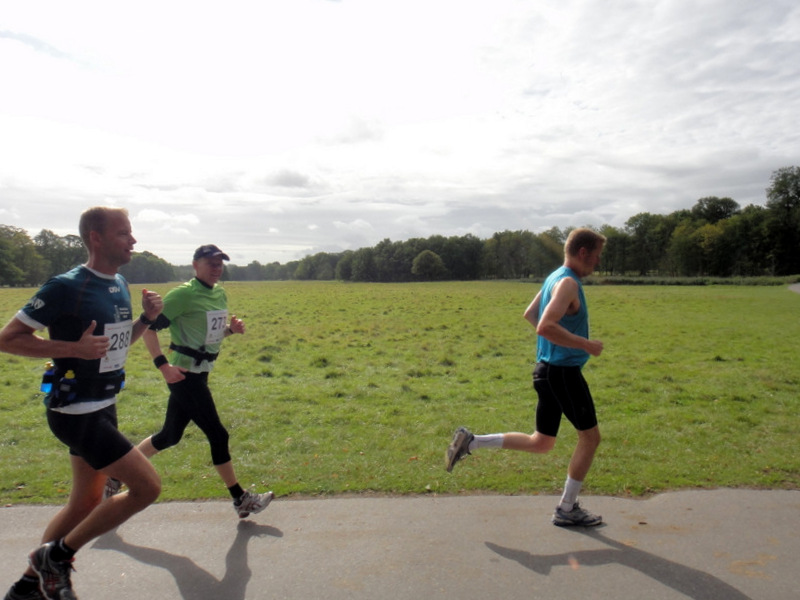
[
  {"x": 146, "y": 267},
  {"x": 363, "y": 267},
  {"x": 61, "y": 253},
  {"x": 649, "y": 240},
  {"x": 10, "y": 273},
  {"x": 428, "y": 266},
  {"x": 344, "y": 266},
  {"x": 29, "y": 268},
  {"x": 713, "y": 210},
  {"x": 254, "y": 272},
  {"x": 319, "y": 267},
  {"x": 683, "y": 256},
  {"x": 462, "y": 257},
  {"x": 615, "y": 252},
  {"x": 783, "y": 203}
]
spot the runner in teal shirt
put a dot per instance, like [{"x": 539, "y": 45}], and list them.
[
  {"x": 91, "y": 323},
  {"x": 561, "y": 318},
  {"x": 578, "y": 323}
]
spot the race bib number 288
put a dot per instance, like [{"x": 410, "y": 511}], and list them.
[{"x": 119, "y": 336}]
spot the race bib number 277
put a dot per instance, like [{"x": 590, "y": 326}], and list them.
[{"x": 216, "y": 321}]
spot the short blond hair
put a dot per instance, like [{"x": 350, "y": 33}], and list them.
[
  {"x": 96, "y": 219},
  {"x": 583, "y": 237}
]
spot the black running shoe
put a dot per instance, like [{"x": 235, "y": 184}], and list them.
[
  {"x": 34, "y": 594},
  {"x": 54, "y": 575},
  {"x": 575, "y": 517}
]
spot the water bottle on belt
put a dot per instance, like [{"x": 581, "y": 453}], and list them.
[
  {"x": 48, "y": 377},
  {"x": 67, "y": 388}
]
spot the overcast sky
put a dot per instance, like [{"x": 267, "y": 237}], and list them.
[{"x": 282, "y": 128}]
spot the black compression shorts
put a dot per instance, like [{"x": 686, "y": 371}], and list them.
[
  {"x": 562, "y": 391},
  {"x": 92, "y": 436}
]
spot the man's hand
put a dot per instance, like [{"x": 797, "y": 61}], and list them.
[
  {"x": 90, "y": 346},
  {"x": 237, "y": 325},
  {"x": 594, "y": 347},
  {"x": 173, "y": 374},
  {"x": 152, "y": 304}
]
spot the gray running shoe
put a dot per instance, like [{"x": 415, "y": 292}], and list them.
[
  {"x": 576, "y": 516},
  {"x": 113, "y": 486},
  {"x": 252, "y": 503},
  {"x": 54, "y": 576},
  {"x": 459, "y": 447},
  {"x": 34, "y": 594}
]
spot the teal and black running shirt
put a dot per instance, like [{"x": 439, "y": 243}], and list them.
[
  {"x": 66, "y": 305},
  {"x": 547, "y": 351}
]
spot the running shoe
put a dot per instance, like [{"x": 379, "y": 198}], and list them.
[
  {"x": 54, "y": 576},
  {"x": 252, "y": 503},
  {"x": 34, "y": 594},
  {"x": 576, "y": 516},
  {"x": 459, "y": 447},
  {"x": 113, "y": 486}
]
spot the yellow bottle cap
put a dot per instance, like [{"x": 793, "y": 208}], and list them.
[{"x": 70, "y": 374}]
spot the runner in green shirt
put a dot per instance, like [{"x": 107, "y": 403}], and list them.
[{"x": 197, "y": 315}]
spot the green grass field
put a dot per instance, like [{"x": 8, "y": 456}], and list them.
[{"x": 351, "y": 388}]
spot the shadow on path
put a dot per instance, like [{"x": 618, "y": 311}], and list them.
[
  {"x": 686, "y": 580},
  {"x": 195, "y": 583}
]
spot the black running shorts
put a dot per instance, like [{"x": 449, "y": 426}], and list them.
[
  {"x": 93, "y": 436},
  {"x": 562, "y": 391}
]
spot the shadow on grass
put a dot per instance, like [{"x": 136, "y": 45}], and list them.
[
  {"x": 688, "y": 581},
  {"x": 195, "y": 583}
]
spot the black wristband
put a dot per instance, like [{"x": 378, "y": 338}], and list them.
[
  {"x": 229, "y": 330},
  {"x": 160, "y": 360},
  {"x": 143, "y": 319}
]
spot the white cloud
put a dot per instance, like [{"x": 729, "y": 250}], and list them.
[{"x": 239, "y": 124}]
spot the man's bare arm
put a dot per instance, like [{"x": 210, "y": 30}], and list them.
[
  {"x": 565, "y": 295},
  {"x": 20, "y": 339},
  {"x": 532, "y": 312}
]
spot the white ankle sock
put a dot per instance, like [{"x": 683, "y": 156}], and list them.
[
  {"x": 492, "y": 440},
  {"x": 571, "y": 490}
]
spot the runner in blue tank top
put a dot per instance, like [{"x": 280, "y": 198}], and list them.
[
  {"x": 577, "y": 323},
  {"x": 561, "y": 318}
]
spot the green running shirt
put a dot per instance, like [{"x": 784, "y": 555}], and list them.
[{"x": 198, "y": 317}]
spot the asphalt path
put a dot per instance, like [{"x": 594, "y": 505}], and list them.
[{"x": 730, "y": 544}]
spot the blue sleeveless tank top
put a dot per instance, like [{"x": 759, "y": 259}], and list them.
[{"x": 548, "y": 352}]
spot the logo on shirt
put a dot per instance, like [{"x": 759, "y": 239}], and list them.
[
  {"x": 37, "y": 303},
  {"x": 114, "y": 289}
]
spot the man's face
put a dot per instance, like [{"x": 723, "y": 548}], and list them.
[
  {"x": 209, "y": 270},
  {"x": 594, "y": 258},
  {"x": 117, "y": 241},
  {"x": 590, "y": 260}
]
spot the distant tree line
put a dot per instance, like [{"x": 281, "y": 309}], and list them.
[{"x": 715, "y": 238}]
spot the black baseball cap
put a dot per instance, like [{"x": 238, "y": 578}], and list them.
[{"x": 209, "y": 251}]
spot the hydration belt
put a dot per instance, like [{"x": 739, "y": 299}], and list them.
[
  {"x": 67, "y": 391},
  {"x": 197, "y": 355}
]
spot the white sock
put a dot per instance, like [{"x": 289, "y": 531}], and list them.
[
  {"x": 492, "y": 440},
  {"x": 571, "y": 490}
]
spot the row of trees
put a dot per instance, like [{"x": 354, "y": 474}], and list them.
[
  {"x": 716, "y": 237},
  {"x": 26, "y": 261}
]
